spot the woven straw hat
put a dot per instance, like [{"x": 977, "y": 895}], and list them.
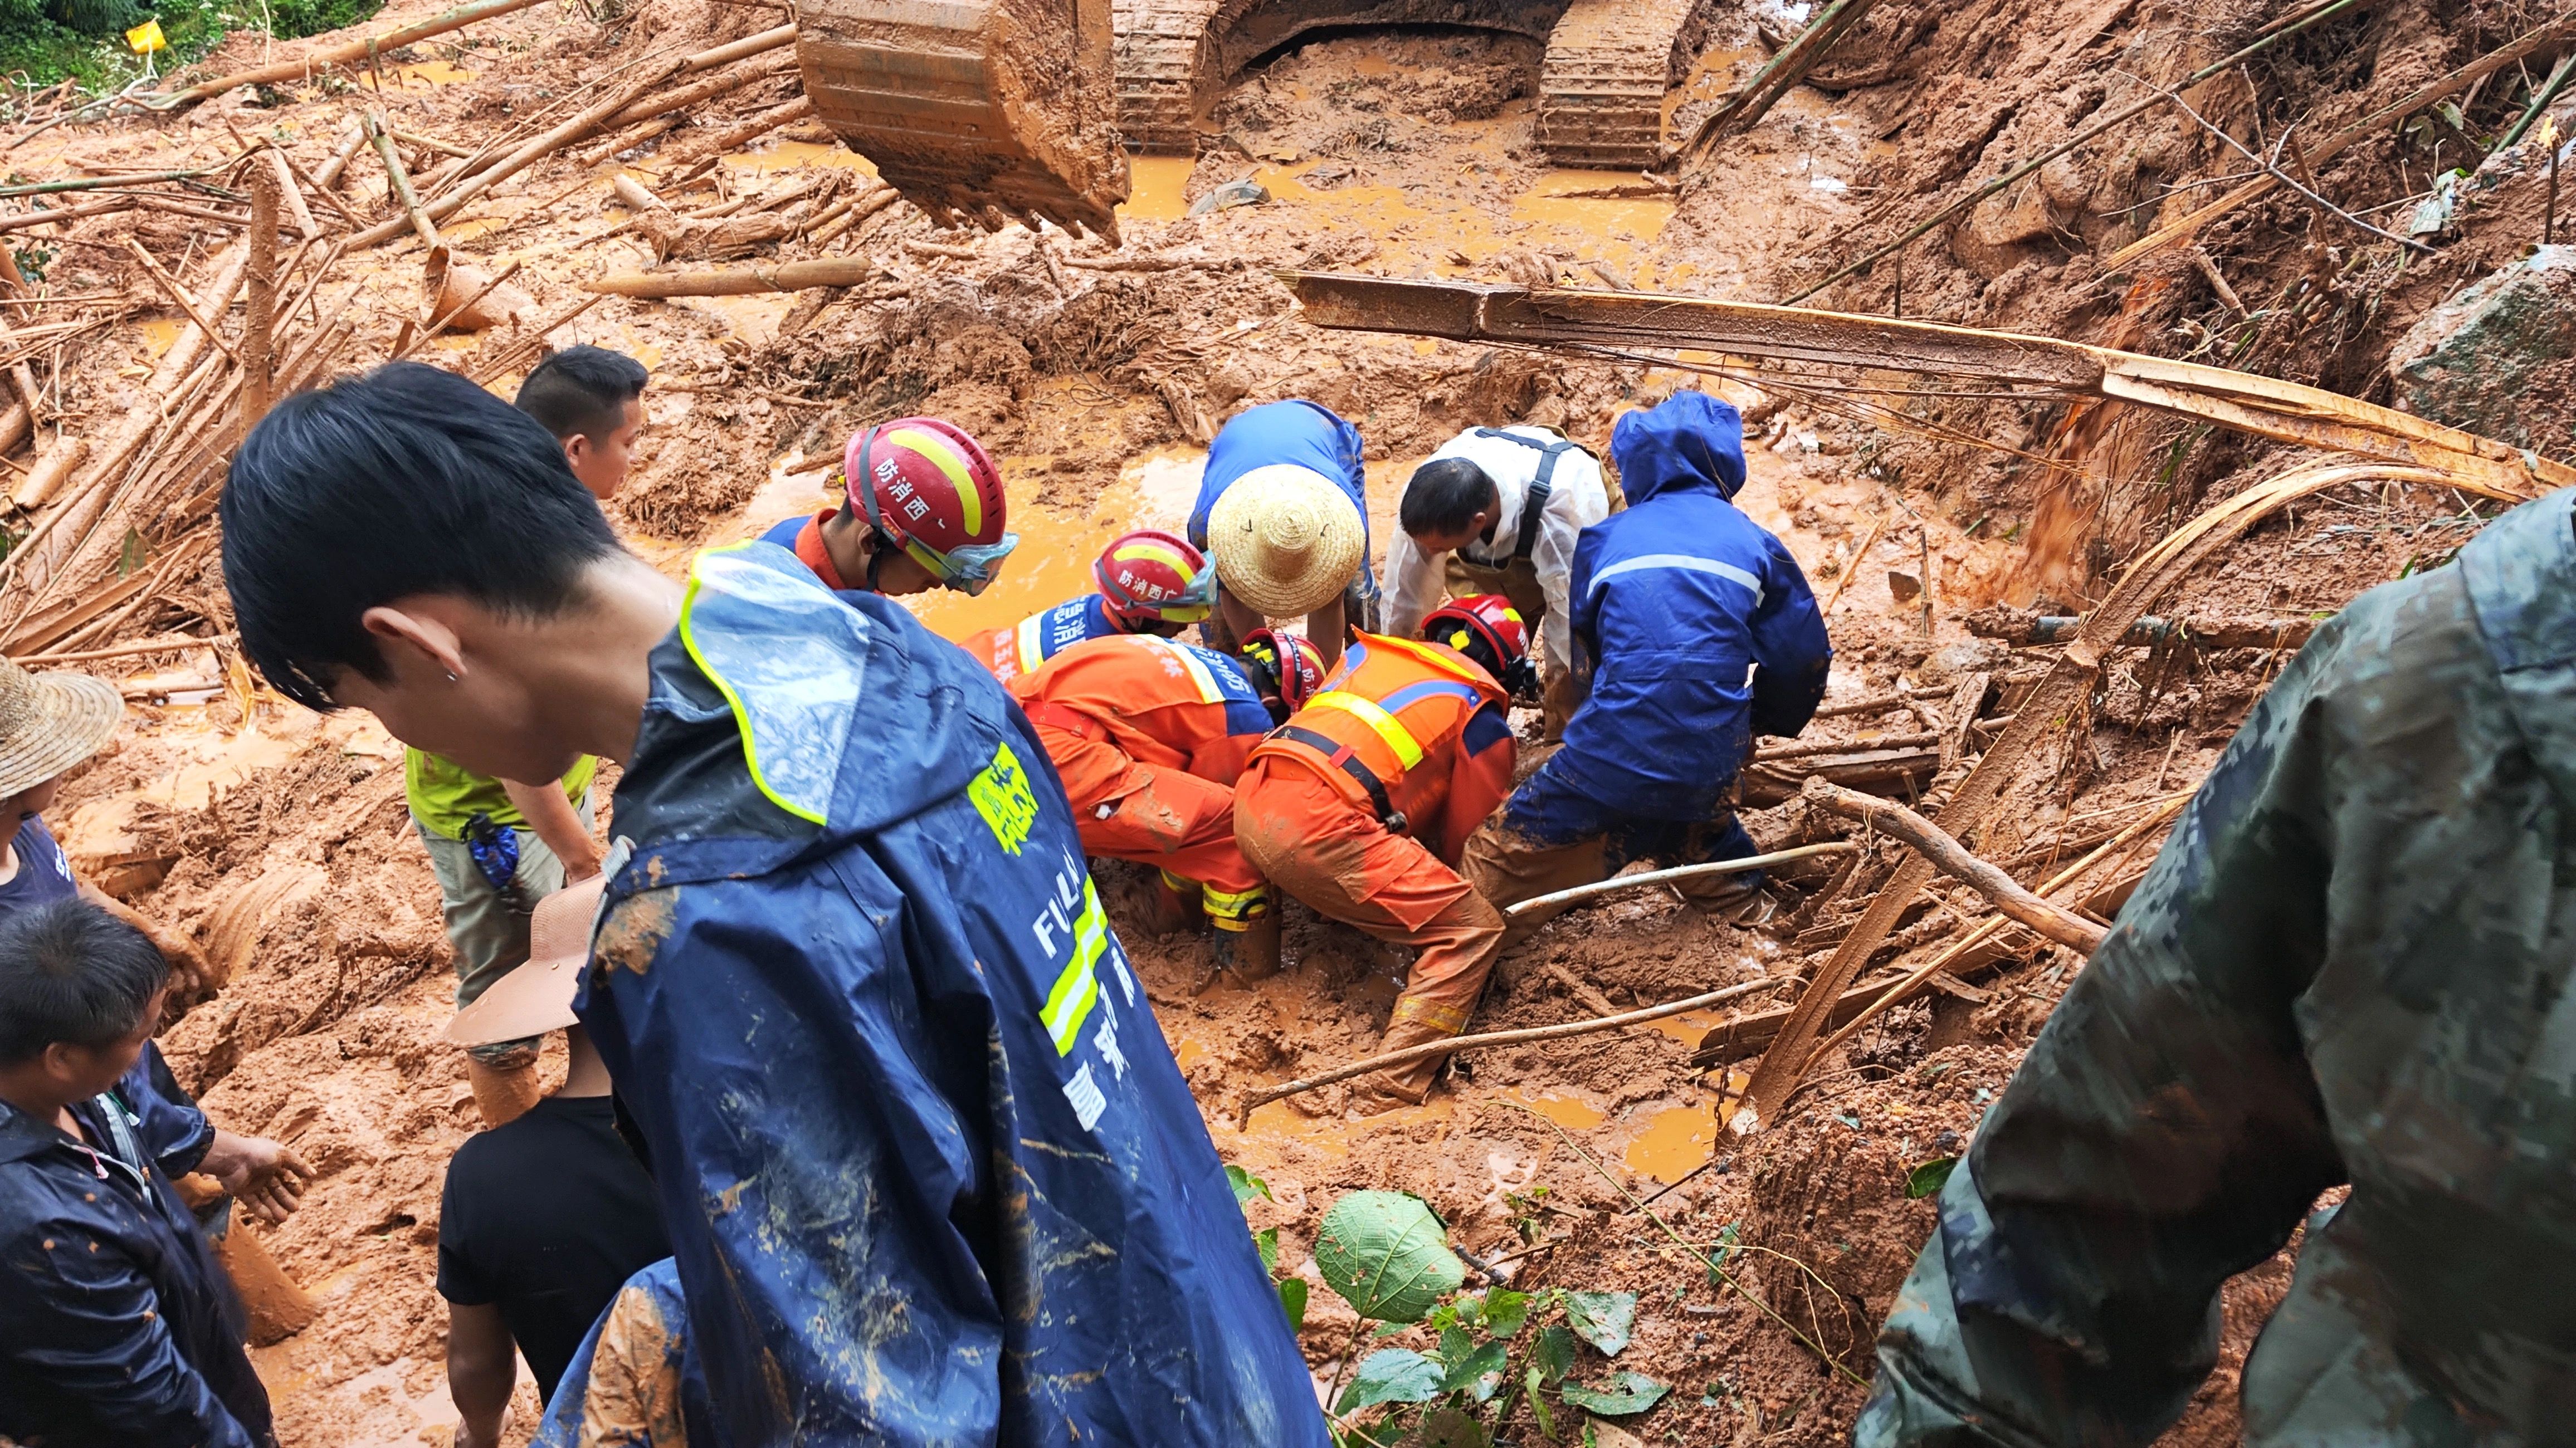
[
  {"x": 1285, "y": 540},
  {"x": 50, "y": 722},
  {"x": 537, "y": 997}
]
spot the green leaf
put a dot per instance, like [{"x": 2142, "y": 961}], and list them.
[
  {"x": 1928, "y": 1179},
  {"x": 1538, "y": 1406},
  {"x": 1478, "y": 1373},
  {"x": 1292, "y": 1300},
  {"x": 1602, "y": 1319},
  {"x": 1391, "y": 1375},
  {"x": 1385, "y": 1253},
  {"x": 1625, "y": 1394},
  {"x": 1266, "y": 1242},
  {"x": 1246, "y": 1186},
  {"x": 1553, "y": 1357},
  {"x": 1452, "y": 1428},
  {"x": 1506, "y": 1311}
]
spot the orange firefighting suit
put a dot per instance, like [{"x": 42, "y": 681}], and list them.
[
  {"x": 1148, "y": 735},
  {"x": 1359, "y": 807}
]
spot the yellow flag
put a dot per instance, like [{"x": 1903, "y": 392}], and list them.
[{"x": 146, "y": 38}]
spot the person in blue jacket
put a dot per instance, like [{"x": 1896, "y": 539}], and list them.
[
  {"x": 1306, "y": 437},
  {"x": 1694, "y": 630},
  {"x": 929, "y": 1170}
]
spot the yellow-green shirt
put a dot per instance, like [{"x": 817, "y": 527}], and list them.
[{"x": 445, "y": 796}]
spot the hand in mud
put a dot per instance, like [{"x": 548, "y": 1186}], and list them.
[{"x": 261, "y": 1174}]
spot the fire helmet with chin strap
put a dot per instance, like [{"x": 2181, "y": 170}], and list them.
[
  {"x": 926, "y": 486},
  {"x": 1486, "y": 628},
  {"x": 1285, "y": 668},
  {"x": 1150, "y": 577}
]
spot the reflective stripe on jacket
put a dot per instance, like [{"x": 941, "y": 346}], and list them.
[
  {"x": 1157, "y": 700},
  {"x": 930, "y": 1173},
  {"x": 1416, "y": 716},
  {"x": 1007, "y": 653}
]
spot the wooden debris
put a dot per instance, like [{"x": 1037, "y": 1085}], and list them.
[
  {"x": 303, "y": 66},
  {"x": 1644, "y": 878},
  {"x": 400, "y": 178},
  {"x": 789, "y": 276},
  {"x": 178, "y": 296},
  {"x": 1753, "y": 100},
  {"x": 45, "y": 479},
  {"x": 468, "y": 298},
  {"x": 259, "y": 302}
]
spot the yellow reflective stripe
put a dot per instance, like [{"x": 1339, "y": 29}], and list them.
[
  {"x": 934, "y": 447},
  {"x": 1209, "y": 693},
  {"x": 1069, "y": 1003},
  {"x": 1158, "y": 552},
  {"x": 1389, "y": 728},
  {"x": 1030, "y": 641},
  {"x": 1227, "y": 907}
]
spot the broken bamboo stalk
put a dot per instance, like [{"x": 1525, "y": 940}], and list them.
[
  {"x": 303, "y": 66},
  {"x": 66, "y": 213},
  {"x": 527, "y": 346},
  {"x": 441, "y": 324},
  {"x": 790, "y": 276},
  {"x": 688, "y": 96},
  {"x": 1944, "y": 850},
  {"x": 178, "y": 297},
  {"x": 861, "y": 210},
  {"x": 174, "y": 645},
  {"x": 2083, "y": 136},
  {"x": 1744, "y": 109},
  {"x": 327, "y": 175},
  {"x": 1818, "y": 747},
  {"x": 122, "y": 179},
  {"x": 1678, "y": 872},
  {"x": 404, "y": 196},
  {"x": 329, "y": 197},
  {"x": 742, "y": 133},
  {"x": 2368, "y": 126},
  {"x": 1428, "y": 1049},
  {"x": 292, "y": 194},
  {"x": 259, "y": 300},
  {"x": 45, "y": 479}
]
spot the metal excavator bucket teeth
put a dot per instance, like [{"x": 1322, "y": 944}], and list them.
[{"x": 982, "y": 109}]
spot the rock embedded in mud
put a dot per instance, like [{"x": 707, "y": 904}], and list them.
[{"x": 2467, "y": 363}]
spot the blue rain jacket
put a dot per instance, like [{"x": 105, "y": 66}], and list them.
[
  {"x": 116, "y": 1325},
  {"x": 1676, "y": 600},
  {"x": 930, "y": 1172},
  {"x": 1308, "y": 434}
]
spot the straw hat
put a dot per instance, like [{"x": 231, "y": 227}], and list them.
[
  {"x": 50, "y": 722},
  {"x": 537, "y": 997},
  {"x": 1285, "y": 540}
]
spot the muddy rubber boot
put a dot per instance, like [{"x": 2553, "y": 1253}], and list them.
[
  {"x": 1175, "y": 907},
  {"x": 503, "y": 1093},
  {"x": 1399, "y": 1086},
  {"x": 1251, "y": 953}
]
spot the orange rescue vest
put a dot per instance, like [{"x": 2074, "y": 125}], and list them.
[{"x": 1393, "y": 707}]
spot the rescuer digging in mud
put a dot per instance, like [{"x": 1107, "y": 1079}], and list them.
[
  {"x": 1676, "y": 601},
  {"x": 929, "y": 1170},
  {"x": 1282, "y": 511},
  {"x": 1149, "y": 583},
  {"x": 1148, "y": 736},
  {"x": 1497, "y": 510},
  {"x": 922, "y": 508},
  {"x": 1360, "y": 804}
]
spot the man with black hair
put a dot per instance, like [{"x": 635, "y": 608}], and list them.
[
  {"x": 1504, "y": 505},
  {"x": 929, "y": 1170},
  {"x": 116, "y": 1325},
  {"x": 592, "y": 400}
]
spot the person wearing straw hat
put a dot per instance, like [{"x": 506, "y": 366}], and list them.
[
  {"x": 1282, "y": 512},
  {"x": 529, "y": 1272}
]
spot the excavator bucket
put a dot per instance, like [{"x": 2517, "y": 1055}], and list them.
[{"x": 988, "y": 109}]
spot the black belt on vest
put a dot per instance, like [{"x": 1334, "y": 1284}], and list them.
[
  {"x": 1534, "y": 502},
  {"x": 1342, "y": 757}
]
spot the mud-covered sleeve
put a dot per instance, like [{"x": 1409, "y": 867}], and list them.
[
  {"x": 83, "y": 1317},
  {"x": 1479, "y": 782},
  {"x": 1576, "y": 503},
  {"x": 1792, "y": 649},
  {"x": 2164, "y": 1132},
  {"x": 1412, "y": 585}
]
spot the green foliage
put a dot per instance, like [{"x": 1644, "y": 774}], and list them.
[
  {"x": 1292, "y": 1290},
  {"x": 1602, "y": 1319},
  {"x": 1246, "y": 1185},
  {"x": 43, "y": 42},
  {"x": 1292, "y": 1300},
  {"x": 1625, "y": 1395},
  {"x": 1929, "y": 1178},
  {"x": 1392, "y": 1375},
  {"x": 1386, "y": 1253}
]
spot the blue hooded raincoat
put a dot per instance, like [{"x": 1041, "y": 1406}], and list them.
[
  {"x": 1676, "y": 601},
  {"x": 930, "y": 1172}
]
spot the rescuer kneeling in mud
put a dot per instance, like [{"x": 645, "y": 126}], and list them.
[
  {"x": 929, "y": 1171},
  {"x": 1694, "y": 630},
  {"x": 1148, "y": 736},
  {"x": 1359, "y": 805},
  {"x": 921, "y": 508},
  {"x": 1283, "y": 512},
  {"x": 1497, "y": 510},
  {"x": 116, "y": 1325},
  {"x": 1149, "y": 583}
]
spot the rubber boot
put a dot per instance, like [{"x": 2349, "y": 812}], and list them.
[
  {"x": 1399, "y": 1086},
  {"x": 1251, "y": 953},
  {"x": 1175, "y": 907},
  {"x": 503, "y": 1093}
]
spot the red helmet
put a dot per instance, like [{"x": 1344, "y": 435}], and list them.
[
  {"x": 1284, "y": 665},
  {"x": 1149, "y": 577},
  {"x": 931, "y": 488},
  {"x": 1486, "y": 628}
]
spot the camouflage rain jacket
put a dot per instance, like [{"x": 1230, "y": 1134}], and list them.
[{"x": 2350, "y": 964}]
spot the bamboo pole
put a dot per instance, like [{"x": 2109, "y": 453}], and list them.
[
  {"x": 303, "y": 66},
  {"x": 259, "y": 300},
  {"x": 293, "y": 195},
  {"x": 404, "y": 196},
  {"x": 1679, "y": 872},
  {"x": 178, "y": 296},
  {"x": 1936, "y": 845},
  {"x": 792, "y": 276}
]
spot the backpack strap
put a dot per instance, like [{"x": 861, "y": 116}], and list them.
[{"x": 1534, "y": 504}]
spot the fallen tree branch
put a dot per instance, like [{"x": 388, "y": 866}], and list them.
[
  {"x": 1819, "y": 747},
  {"x": 527, "y": 346},
  {"x": 303, "y": 66},
  {"x": 178, "y": 297},
  {"x": 1744, "y": 109},
  {"x": 1936, "y": 845},
  {"x": 1678, "y": 872},
  {"x": 790, "y": 276},
  {"x": 2030, "y": 628},
  {"x": 67, "y": 213},
  {"x": 395, "y": 173},
  {"x": 1428, "y": 1049}
]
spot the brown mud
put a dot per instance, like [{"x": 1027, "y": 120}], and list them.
[{"x": 282, "y": 840}]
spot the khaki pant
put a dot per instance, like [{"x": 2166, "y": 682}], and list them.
[
  {"x": 487, "y": 931},
  {"x": 1518, "y": 582},
  {"x": 1314, "y": 844}
]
